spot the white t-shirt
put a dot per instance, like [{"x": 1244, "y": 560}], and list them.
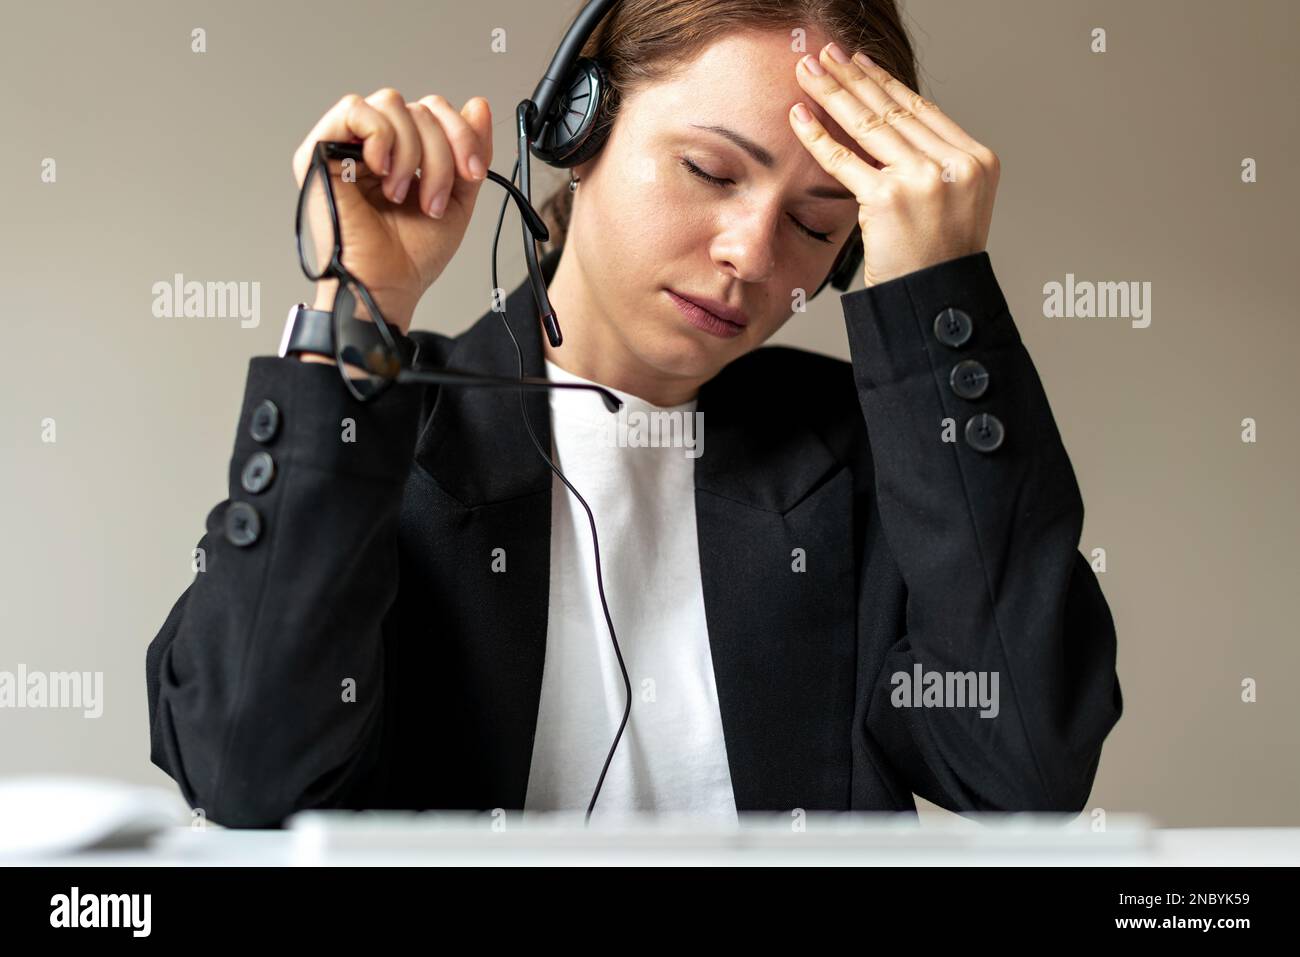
[{"x": 672, "y": 756}]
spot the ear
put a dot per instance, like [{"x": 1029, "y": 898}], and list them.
[{"x": 583, "y": 170}]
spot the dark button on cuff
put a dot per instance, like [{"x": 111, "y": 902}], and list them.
[
  {"x": 266, "y": 421},
  {"x": 258, "y": 472},
  {"x": 969, "y": 379},
  {"x": 984, "y": 432},
  {"x": 243, "y": 524},
  {"x": 952, "y": 327}
]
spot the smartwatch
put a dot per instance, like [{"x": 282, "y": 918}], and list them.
[
  {"x": 307, "y": 330},
  {"x": 312, "y": 330}
]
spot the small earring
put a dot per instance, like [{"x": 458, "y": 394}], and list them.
[{"x": 573, "y": 182}]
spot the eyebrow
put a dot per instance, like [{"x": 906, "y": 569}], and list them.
[{"x": 767, "y": 160}]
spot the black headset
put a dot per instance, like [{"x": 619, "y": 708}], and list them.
[{"x": 565, "y": 123}]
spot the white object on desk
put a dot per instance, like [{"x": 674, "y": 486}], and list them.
[
  {"x": 785, "y": 838},
  {"x": 55, "y": 815}
]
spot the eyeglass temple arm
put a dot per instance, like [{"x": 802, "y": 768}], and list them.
[
  {"x": 339, "y": 150},
  {"x": 457, "y": 378}
]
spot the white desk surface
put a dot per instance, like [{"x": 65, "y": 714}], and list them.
[{"x": 214, "y": 846}]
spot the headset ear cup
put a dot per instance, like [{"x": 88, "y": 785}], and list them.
[
  {"x": 850, "y": 264},
  {"x": 580, "y": 121},
  {"x": 846, "y": 267}
]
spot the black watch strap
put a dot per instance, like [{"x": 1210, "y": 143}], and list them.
[
  {"x": 312, "y": 330},
  {"x": 308, "y": 331}
]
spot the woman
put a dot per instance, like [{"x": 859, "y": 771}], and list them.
[{"x": 858, "y": 582}]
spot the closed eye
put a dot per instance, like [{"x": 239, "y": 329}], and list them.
[{"x": 716, "y": 181}]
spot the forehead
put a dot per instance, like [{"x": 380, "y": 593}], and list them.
[{"x": 745, "y": 80}]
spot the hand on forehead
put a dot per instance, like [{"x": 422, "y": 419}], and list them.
[
  {"x": 752, "y": 77},
  {"x": 813, "y": 42},
  {"x": 834, "y": 129}
]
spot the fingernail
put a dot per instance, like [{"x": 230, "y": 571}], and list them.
[
  {"x": 438, "y": 205},
  {"x": 812, "y": 65},
  {"x": 476, "y": 168},
  {"x": 862, "y": 60},
  {"x": 838, "y": 55},
  {"x": 801, "y": 113},
  {"x": 388, "y": 164},
  {"x": 399, "y": 194}
]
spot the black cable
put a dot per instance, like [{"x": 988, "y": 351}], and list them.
[{"x": 591, "y": 520}]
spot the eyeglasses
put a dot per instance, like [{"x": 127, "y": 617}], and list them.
[{"x": 363, "y": 341}]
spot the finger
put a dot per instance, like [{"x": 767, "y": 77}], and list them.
[
  {"x": 834, "y": 157},
  {"x": 466, "y": 140},
  {"x": 478, "y": 113},
  {"x": 875, "y": 132},
  {"x": 376, "y": 132},
  {"x": 406, "y": 146},
  {"x": 436, "y": 160},
  {"x": 925, "y": 111},
  {"x": 881, "y": 93},
  {"x": 350, "y": 118}
]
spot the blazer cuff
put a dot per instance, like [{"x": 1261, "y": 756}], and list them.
[
  {"x": 301, "y": 413},
  {"x": 892, "y": 325}
]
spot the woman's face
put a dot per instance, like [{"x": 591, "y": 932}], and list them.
[{"x": 647, "y": 229}]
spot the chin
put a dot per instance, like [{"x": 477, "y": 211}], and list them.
[{"x": 683, "y": 352}]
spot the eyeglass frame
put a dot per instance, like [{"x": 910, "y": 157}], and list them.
[{"x": 323, "y": 152}]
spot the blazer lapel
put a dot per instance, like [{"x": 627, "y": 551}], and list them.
[
  {"x": 476, "y": 445},
  {"x": 774, "y": 514}
]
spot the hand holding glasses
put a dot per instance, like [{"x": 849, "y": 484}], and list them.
[{"x": 362, "y": 339}]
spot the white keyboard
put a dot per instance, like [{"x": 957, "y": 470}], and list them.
[{"x": 322, "y": 836}]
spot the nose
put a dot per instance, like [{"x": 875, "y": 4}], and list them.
[{"x": 745, "y": 244}]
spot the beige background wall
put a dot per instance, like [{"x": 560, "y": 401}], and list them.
[{"x": 1123, "y": 166}]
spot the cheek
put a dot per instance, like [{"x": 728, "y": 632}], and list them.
[{"x": 651, "y": 217}]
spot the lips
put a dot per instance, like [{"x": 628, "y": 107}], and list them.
[
  {"x": 712, "y": 316},
  {"x": 705, "y": 319},
  {"x": 719, "y": 309}
]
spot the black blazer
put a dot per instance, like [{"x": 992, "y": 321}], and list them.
[{"x": 368, "y": 566}]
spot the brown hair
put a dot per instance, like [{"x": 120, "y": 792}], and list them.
[{"x": 641, "y": 42}]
